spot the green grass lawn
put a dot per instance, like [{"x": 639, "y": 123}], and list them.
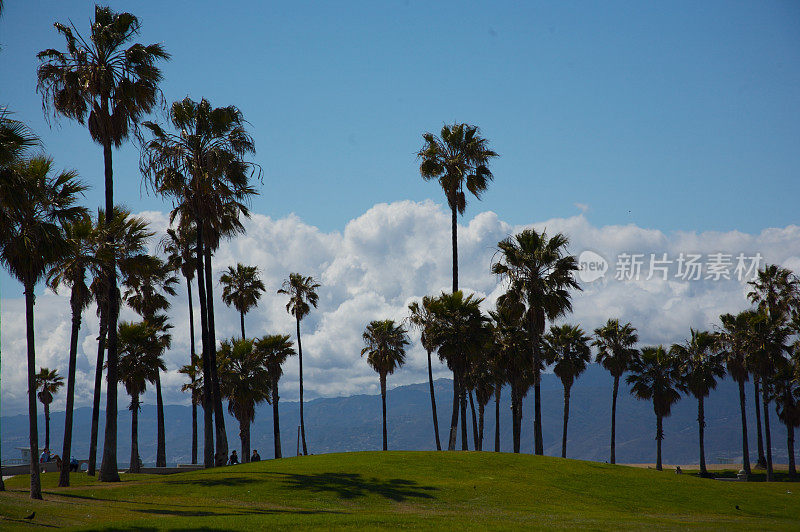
[{"x": 408, "y": 489}]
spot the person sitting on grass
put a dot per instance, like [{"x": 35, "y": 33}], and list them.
[
  {"x": 256, "y": 457},
  {"x": 45, "y": 456},
  {"x": 73, "y": 464},
  {"x": 234, "y": 459}
]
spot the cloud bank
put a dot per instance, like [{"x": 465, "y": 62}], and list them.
[{"x": 381, "y": 261}]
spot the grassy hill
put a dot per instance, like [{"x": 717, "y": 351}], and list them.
[{"x": 419, "y": 489}]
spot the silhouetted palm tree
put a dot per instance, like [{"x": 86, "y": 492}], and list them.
[
  {"x": 139, "y": 363},
  {"x": 244, "y": 382},
  {"x": 34, "y": 205},
  {"x": 112, "y": 82},
  {"x": 274, "y": 350},
  {"x": 701, "y": 368},
  {"x": 458, "y": 158},
  {"x": 194, "y": 370},
  {"x": 656, "y": 376},
  {"x": 302, "y": 292},
  {"x": 385, "y": 346},
  {"x": 48, "y": 382},
  {"x": 421, "y": 318},
  {"x": 542, "y": 273},
  {"x": 733, "y": 343},
  {"x": 242, "y": 288},
  {"x": 567, "y": 348},
  {"x": 786, "y": 393},
  {"x": 615, "y": 349}
]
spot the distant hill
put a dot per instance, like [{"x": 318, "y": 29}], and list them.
[{"x": 353, "y": 424}]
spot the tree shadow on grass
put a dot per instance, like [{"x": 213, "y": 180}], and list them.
[
  {"x": 352, "y": 485},
  {"x": 215, "y": 482},
  {"x": 231, "y": 512}
]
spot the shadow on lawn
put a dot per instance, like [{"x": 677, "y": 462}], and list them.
[{"x": 352, "y": 485}]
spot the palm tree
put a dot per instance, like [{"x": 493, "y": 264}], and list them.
[
  {"x": 567, "y": 347},
  {"x": 34, "y": 205},
  {"x": 302, "y": 292},
  {"x": 615, "y": 349},
  {"x": 458, "y": 333},
  {"x": 421, "y": 318},
  {"x": 148, "y": 281},
  {"x": 202, "y": 168},
  {"x": 245, "y": 382},
  {"x": 701, "y": 368},
  {"x": 242, "y": 288},
  {"x": 123, "y": 238},
  {"x": 194, "y": 370},
  {"x": 541, "y": 273},
  {"x": 109, "y": 83},
  {"x": 786, "y": 394},
  {"x": 71, "y": 271},
  {"x": 656, "y": 376},
  {"x": 274, "y": 350},
  {"x": 139, "y": 363},
  {"x": 458, "y": 158},
  {"x": 385, "y": 346},
  {"x": 733, "y": 343},
  {"x": 483, "y": 376},
  {"x": 48, "y": 382}
]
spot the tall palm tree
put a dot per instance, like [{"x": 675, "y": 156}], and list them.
[
  {"x": 786, "y": 393},
  {"x": 733, "y": 343},
  {"x": 302, "y": 292},
  {"x": 201, "y": 167},
  {"x": 194, "y": 370},
  {"x": 567, "y": 347},
  {"x": 656, "y": 376},
  {"x": 121, "y": 238},
  {"x": 139, "y": 363},
  {"x": 274, "y": 350},
  {"x": 421, "y": 318},
  {"x": 242, "y": 288},
  {"x": 148, "y": 281},
  {"x": 701, "y": 368},
  {"x": 458, "y": 333},
  {"x": 245, "y": 382},
  {"x": 107, "y": 82},
  {"x": 483, "y": 375},
  {"x": 385, "y": 346},
  {"x": 71, "y": 271},
  {"x": 541, "y": 273},
  {"x": 34, "y": 205},
  {"x": 458, "y": 158},
  {"x": 615, "y": 350},
  {"x": 48, "y": 382}
]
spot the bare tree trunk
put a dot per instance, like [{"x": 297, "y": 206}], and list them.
[
  {"x": 433, "y": 403},
  {"x": 481, "y": 409},
  {"x": 537, "y": 393},
  {"x": 208, "y": 399},
  {"x": 161, "y": 451},
  {"x": 219, "y": 416},
  {"x": 47, "y": 426},
  {"x": 134, "y": 467},
  {"x": 614, "y": 420},
  {"x": 701, "y": 423},
  {"x": 767, "y": 437},
  {"x": 66, "y": 449},
  {"x": 383, "y": 404},
  {"x": 790, "y": 448},
  {"x": 463, "y": 402},
  {"x": 516, "y": 417},
  {"x": 659, "y": 437},
  {"x": 276, "y": 424},
  {"x": 300, "y": 360},
  {"x": 191, "y": 360},
  {"x": 244, "y": 437},
  {"x": 33, "y": 430},
  {"x": 474, "y": 423},
  {"x": 497, "y": 391},
  {"x": 241, "y": 315},
  {"x": 98, "y": 383},
  {"x": 454, "y": 238},
  {"x": 566, "y": 420},
  {"x": 745, "y": 446},
  {"x": 451, "y": 444},
  {"x": 762, "y": 460}
]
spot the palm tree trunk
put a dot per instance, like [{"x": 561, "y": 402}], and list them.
[
  {"x": 745, "y": 446},
  {"x": 300, "y": 360},
  {"x": 767, "y": 437},
  {"x": 451, "y": 443},
  {"x": 516, "y": 416},
  {"x": 241, "y": 315},
  {"x": 474, "y": 423},
  {"x": 659, "y": 437},
  {"x": 47, "y": 426},
  {"x": 566, "y": 420},
  {"x": 701, "y": 425},
  {"x": 108, "y": 467},
  {"x": 433, "y": 403},
  {"x": 98, "y": 384},
  {"x": 191, "y": 356},
  {"x": 208, "y": 400},
  {"x": 462, "y": 392},
  {"x": 33, "y": 429},
  {"x": 276, "y": 424},
  {"x": 161, "y": 451},
  {"x": 497, "y": 390},
  {"x": 66, "y": 450},
  {"x": 244, "y": 437},
  {"x": 481, "y": 409},
  {"x": 762, "y": 461},
  {"x": 537, "y": 395},
  {"x": 614, "y": 420},
  {"x": 134, "y": 467},
  {"x": 219, "y": 416},
  {"x": 454, "y": 237},
  {"x": 790, "y": 448},
  {"x": 383, "y": 405}
]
